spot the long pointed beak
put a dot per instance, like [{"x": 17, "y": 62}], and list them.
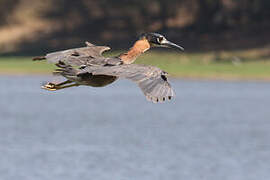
[{"x": 169, "y": 44}]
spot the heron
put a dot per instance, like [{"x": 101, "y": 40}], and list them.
[{"x": 87, "y": 66}]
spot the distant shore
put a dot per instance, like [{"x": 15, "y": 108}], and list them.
[{"x": 216, "y": 66}]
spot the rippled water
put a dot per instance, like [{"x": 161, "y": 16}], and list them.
[{"x": 211, "y": 131}]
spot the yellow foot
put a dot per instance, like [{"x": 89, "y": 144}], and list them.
[{"x": 50, "y": 87}]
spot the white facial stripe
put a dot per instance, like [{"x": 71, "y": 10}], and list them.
[{"x": 164, "y": 41}]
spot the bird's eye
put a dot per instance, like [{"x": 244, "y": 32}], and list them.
[{"x": 159, "y": 39}]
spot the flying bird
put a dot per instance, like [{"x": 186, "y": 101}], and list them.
[{"x": 87, "y": 66}]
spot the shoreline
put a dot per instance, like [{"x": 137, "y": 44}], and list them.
[
  {"x": 248, "y": 66},
  {"x": 228, "y": 78}
]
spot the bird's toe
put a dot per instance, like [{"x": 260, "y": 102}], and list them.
[{"x": 49, "y": 86}]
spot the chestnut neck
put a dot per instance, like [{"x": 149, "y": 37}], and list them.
[{"x": 139, "y": 47}]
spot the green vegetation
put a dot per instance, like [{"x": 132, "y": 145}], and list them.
[
  {"x": 222, "y": 65},
  {"x": 237, "y": 65},
  {"x": 23, "y": 65}
]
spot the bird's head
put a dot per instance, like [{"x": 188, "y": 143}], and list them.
[{"x": 158, "y": 40}]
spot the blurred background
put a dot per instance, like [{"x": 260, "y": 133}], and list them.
[
  {"x": 217, "y": 126},
  {"x": 219, "y": 35},
  {"x": 32, "y": 25}
]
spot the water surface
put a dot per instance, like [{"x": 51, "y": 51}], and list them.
[{"x": 212, "y": 130}]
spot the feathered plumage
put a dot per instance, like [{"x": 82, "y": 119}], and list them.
[{"x": 87, "y": 66}]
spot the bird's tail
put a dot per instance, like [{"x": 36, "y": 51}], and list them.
[{"x": 38, "y": 58}]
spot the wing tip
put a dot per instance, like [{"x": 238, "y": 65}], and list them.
[
  {"x": 89, "y": 44},
  {"x": 158, "y": 99}
]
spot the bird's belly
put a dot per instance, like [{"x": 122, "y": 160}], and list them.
[{"x": 98, "y": 80}]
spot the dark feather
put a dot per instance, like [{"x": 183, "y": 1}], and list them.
[{"x": 38, "y": 58}]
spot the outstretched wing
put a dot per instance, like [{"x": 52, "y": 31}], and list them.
[
  {"x": 78, "y": 56},
  {"x": 152, "y": 80}
]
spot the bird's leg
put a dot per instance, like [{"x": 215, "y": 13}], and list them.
[{"x": 53, "y": 87}]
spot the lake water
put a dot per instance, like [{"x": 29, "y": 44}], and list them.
[{"x": 212, "y": 130}]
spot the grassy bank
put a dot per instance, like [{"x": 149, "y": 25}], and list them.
[{"x": 222, "y": 65}]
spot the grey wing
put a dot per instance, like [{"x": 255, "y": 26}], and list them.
[
  {"x": 152, "y": 80},
  {"x": 79, "y": 56}
]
